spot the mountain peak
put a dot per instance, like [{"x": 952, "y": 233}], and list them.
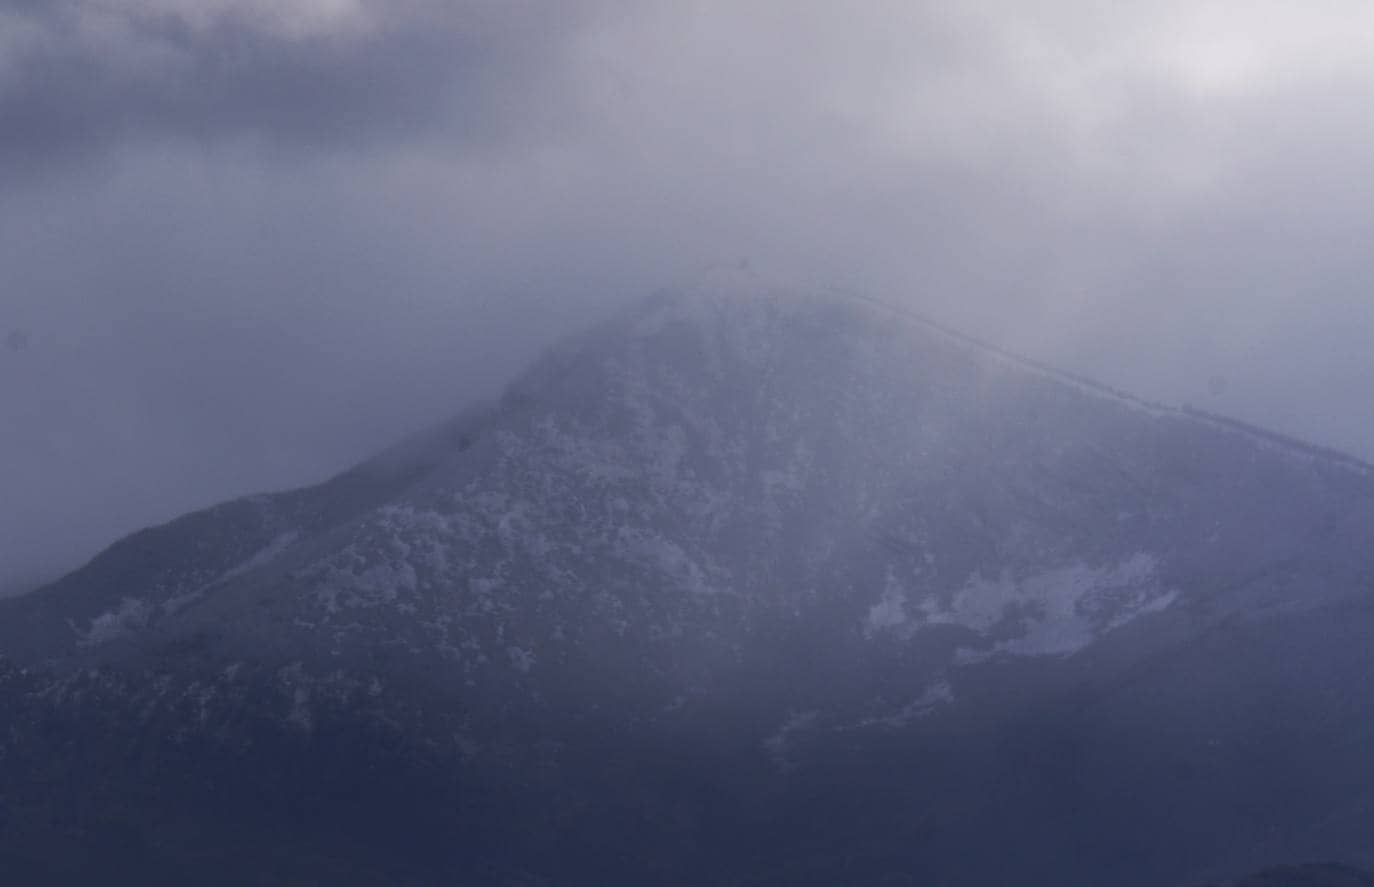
[
  {"x": 742, "y": 450},
  {"x": 774, "y": 547}
]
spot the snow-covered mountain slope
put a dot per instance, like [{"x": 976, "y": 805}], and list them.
[{"x": 798, "y": 540}]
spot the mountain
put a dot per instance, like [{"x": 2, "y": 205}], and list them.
[{"x": 738, "y": 588}]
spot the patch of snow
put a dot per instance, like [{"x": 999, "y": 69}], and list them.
[
  {"x": 1056, "y": 613},
  {"x": 666, "y": 557},
  {"x": 888, "y": 613},
  {"x": 376, "y": 585},
  {"x": 299, "y": 682},
  {"x": 937, "y": 694},
  {"x": 264, "y": 556},
  {"x": 300, "y": 714},
  {"x": 261, "y": 558},
  {"x": 521, "y": 660},
  {"x": 778, "y": 745},
  {"x": 131, "y": 615}
]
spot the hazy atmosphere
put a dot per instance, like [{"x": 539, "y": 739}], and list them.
[
  {"x": 509, "y": 443},
  {"x": 244, "y": 243}
]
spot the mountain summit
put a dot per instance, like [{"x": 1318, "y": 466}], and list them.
[{"x": 746, "y": 589}]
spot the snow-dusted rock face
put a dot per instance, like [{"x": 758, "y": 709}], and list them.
[
  {"x": 777, "y": 525},
  {"x": 714, "y": 464}
]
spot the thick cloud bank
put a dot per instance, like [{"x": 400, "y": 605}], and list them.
[{"x": 244, "y": 243}]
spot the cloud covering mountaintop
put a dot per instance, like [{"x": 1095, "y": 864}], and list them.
[{"x": 247, "y": 243}]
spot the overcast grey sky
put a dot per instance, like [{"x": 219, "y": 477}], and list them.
[{"x": 244, "y": 243}]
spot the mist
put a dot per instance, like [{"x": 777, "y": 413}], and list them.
[{"x": 244, "y": 245}]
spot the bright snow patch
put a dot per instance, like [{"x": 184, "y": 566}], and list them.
[
  {"x": 1055, "y": 613},
  {"x": 131, "y": 615}
]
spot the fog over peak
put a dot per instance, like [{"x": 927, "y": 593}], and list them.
[{"x": 244, "y": 244}]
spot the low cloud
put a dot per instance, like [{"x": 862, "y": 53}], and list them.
[{"x": 252, "y": 241}]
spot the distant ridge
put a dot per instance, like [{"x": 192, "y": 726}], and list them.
[{"x": 1086, "y": 383}]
